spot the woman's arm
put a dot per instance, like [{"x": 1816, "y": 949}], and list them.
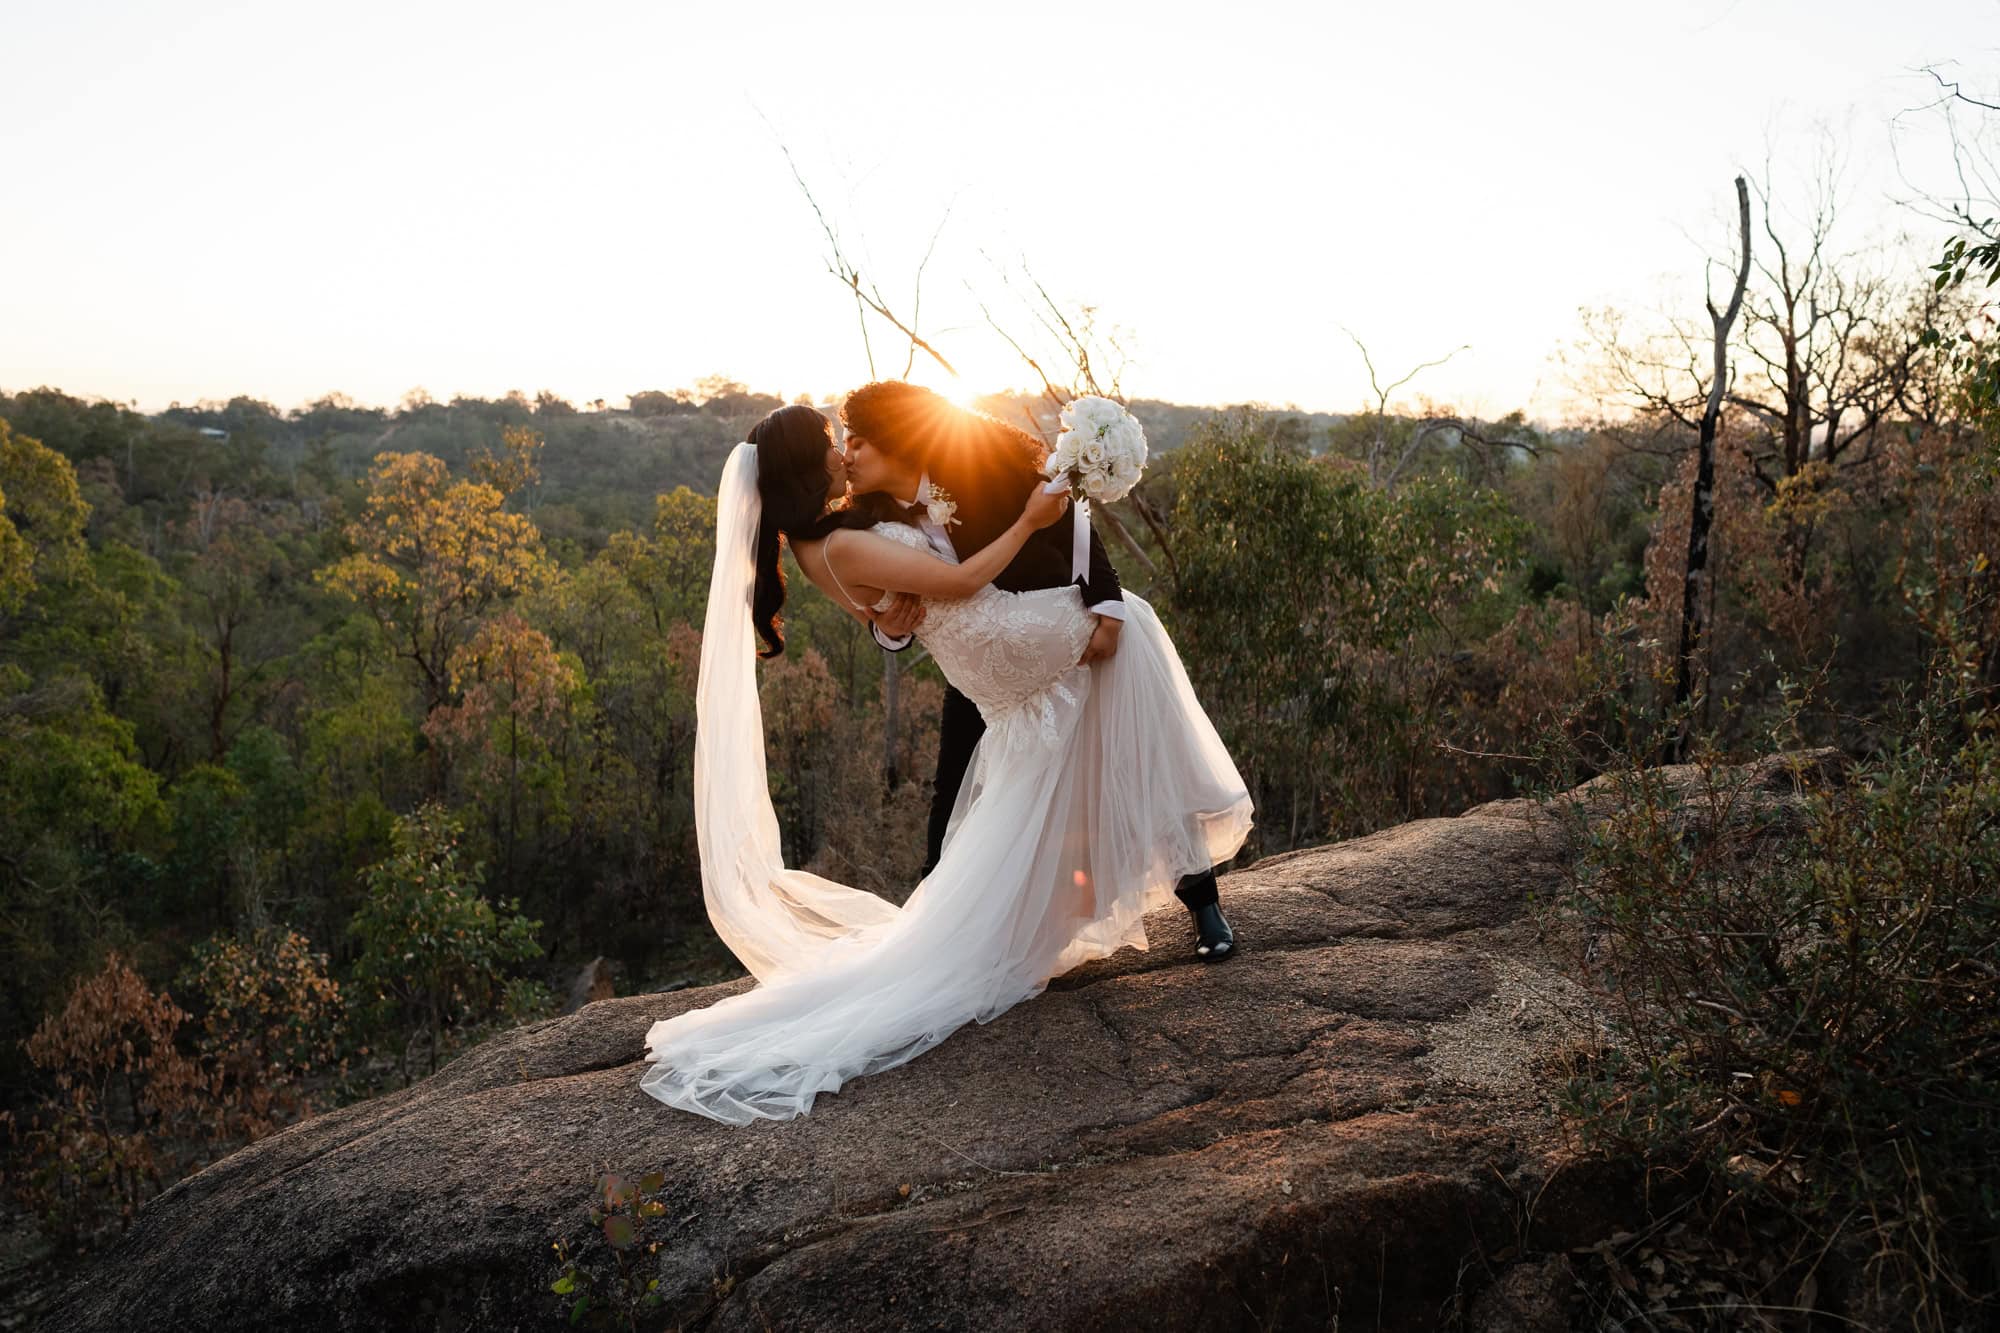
[
  {"x": 880, "y": 563},
  {"x": 815, "y": 570}
]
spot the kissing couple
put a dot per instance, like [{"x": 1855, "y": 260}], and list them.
[{"x": 1079, "y": 784}]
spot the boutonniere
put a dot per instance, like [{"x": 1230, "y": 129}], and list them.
[{"x": 940, "y": 506}]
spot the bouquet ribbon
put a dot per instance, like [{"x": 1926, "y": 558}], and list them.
[{"x": 1079, "y": 547}]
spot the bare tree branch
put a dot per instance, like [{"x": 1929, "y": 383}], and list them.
[
  {"x": 1124, "y": 538},
  {"x": 1049, "y": 389},
  {"x": 850, "y": 277},
  {"x": 1954, "y": 93},
  {"x": 917, "y": 299},
  {"x": 1379, "y": 442},
  {"x": 1382, "y": 394}
]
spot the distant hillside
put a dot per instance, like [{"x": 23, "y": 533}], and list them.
[{"x": 601, "y": 466}]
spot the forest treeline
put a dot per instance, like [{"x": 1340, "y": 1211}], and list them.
[
  {"x": 336, "y": 735},
  {"x": 331, "y": 737}
]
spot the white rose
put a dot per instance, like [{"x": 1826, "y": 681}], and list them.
[
  {"x": 1103, "y": 443},
  {"x": 1103, "y": 409},
  {"x": 1091, "y": 413}
]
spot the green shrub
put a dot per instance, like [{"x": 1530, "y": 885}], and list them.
[
  {"x": 434, "y": 951},
  {"x": 1809, "y": 1004}
]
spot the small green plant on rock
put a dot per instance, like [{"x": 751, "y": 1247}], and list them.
[{"x": 597, "y": 1294}]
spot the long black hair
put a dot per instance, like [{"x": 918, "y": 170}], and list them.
[{"x": 791, "y": 483}]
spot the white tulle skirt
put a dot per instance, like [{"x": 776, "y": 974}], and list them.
[{"x": 1080, "y": 811}]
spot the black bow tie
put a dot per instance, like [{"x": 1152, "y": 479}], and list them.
[{"x": 916, "y": 513}]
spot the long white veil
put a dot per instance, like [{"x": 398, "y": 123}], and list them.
[{"x": 776, "y": 921}]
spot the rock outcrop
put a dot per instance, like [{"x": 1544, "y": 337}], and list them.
[{"x": 1345, "y": 1124}]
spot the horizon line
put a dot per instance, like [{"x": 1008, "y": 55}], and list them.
[{"x": 584, "y": 407}]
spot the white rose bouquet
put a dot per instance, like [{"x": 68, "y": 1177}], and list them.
[{"x": 1101, "y": 449}]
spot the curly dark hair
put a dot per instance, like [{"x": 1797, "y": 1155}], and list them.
[
  {"x": 902, "y": 420},
  {"x": 923, "y": 428},
  {"x": 792, "y": 482}
]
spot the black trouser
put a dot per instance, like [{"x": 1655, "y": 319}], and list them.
[{"x": 959, "y": 729}]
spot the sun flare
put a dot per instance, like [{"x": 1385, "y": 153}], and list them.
[{"x": 959, "y": 391}]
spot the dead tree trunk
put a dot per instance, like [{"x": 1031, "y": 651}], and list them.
[{"x": 1694, "y": 624}]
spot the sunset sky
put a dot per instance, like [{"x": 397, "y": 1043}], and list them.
[{"x": 285, "y": 200}]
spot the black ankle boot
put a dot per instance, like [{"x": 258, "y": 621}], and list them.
[{"x": 1214, "y": 941}]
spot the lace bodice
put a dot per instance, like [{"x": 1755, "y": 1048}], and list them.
[{"x": 1012, "y": 653}]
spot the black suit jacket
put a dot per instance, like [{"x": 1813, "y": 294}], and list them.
[{"x": 990, "y": 489}]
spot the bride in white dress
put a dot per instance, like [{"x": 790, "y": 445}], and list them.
[{"x": 1094, "y": 789}]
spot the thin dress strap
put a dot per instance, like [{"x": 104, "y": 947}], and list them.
[{"x": 826, "y": 556}]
